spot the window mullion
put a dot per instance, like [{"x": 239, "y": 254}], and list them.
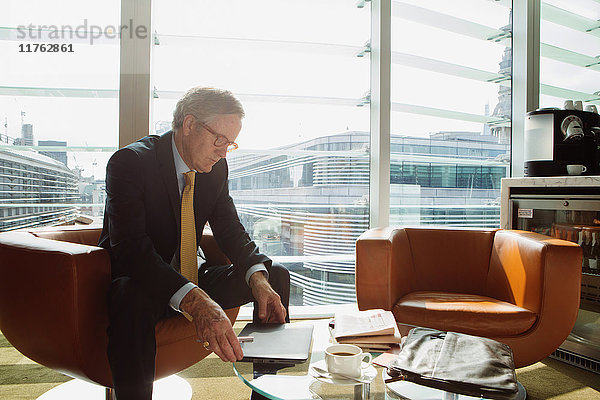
[
  {"x": 135, "y": 90},
  {"x": 525, "y": 74},
  {"x": 381, "y": 56}
]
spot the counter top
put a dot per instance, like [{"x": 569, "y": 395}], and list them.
[{"x": 544, "y": 181}]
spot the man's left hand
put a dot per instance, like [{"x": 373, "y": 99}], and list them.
[{"x": 270, "y": 308}]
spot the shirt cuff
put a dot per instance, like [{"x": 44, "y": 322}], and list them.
[
  {"x": 175, "y": 301},
  {"x": 256, "y": 268}
]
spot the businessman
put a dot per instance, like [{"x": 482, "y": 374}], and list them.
[{"x": 161, "y": 191}]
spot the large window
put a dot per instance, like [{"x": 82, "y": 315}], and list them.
[
  {"x": 300, "y": 178},
  {"x": 570, "y": 50},
  {"x": 451, "y": 106},
  {"x": 58, "y": 108}
]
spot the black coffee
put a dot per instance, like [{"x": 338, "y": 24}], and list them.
[{"x": 343, "y": 353}]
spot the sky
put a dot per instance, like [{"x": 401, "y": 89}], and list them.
[{"x": 277, "y": 60}]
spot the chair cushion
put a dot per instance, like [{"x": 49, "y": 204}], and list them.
[{"x": 467, "y": 313}]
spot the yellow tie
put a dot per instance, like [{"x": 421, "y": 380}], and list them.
[
  {"x": 188, "y": 261},
  {"x": 188, "y": 252}
]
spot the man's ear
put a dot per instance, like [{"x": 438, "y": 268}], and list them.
[{"x": 188, "y": 124}]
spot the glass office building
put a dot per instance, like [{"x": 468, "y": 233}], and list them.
[{"x": 35, "y": 190}]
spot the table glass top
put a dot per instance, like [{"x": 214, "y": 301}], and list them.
[{"x": 297, "y": 383}]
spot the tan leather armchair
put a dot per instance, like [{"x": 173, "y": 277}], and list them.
[
  {"x": 517, "y": 287},
  {"x": 53, "y": 304}
]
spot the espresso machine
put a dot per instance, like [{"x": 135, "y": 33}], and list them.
[{"x": 555, "y": 138}]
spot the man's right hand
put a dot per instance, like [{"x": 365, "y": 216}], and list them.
[{"x": 212, "y": 325}]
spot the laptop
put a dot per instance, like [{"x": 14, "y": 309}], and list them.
[{"x": 277, "y": 343}]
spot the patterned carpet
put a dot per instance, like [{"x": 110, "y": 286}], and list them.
[{"x": 22, "y": 379}]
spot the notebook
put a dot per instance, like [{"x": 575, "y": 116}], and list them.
[{"x": 277, "y": 343}]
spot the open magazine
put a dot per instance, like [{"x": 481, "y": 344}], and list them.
[
  {"x": 379, "y": 325},
  {"x": 375, "y": 341}
]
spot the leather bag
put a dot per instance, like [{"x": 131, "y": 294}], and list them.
[{"x": 457, "y": 363}]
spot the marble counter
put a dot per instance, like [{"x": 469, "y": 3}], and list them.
[{"x": 539, "y": 182}]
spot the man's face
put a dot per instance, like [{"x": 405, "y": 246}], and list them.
[{"x": 199, "y": 150}]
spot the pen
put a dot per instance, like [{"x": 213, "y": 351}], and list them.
[
  {"x": 395, "y": 379},
  {"x": 241, "y": 339}
]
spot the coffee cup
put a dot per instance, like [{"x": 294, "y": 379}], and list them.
[
  {"x": 576, "y": 169},
  {"x": 347, "y": 359}
]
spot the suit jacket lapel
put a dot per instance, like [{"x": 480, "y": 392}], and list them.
[{"x": 168, "y": 174}]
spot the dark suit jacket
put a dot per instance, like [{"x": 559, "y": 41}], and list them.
[{"x": 142, "y": 217}]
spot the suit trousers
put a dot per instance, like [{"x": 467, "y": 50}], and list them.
[{"x": 133, "y": 316}]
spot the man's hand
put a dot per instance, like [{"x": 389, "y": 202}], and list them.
[
  {"x": 212, "y": 325},
  {"x": 270, "y": 309}
]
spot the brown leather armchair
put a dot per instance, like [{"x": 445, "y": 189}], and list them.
[
  {"x": 53, "y": 304},
  {"x": 517, "y": 287}
]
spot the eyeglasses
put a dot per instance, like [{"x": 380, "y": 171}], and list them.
[{"x": 220, "y": 140}]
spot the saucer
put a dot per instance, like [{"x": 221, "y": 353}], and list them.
[{"x": 368, "y": 374}]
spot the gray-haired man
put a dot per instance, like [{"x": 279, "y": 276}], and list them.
[{"x": 145, "y": 234}]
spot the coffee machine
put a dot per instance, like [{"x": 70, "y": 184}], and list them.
[{"x": 555, "y": 138}]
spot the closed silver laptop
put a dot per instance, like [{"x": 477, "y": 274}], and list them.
[{"x": 277, "y": 343}]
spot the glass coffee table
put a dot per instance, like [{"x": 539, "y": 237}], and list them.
[{"x": 279, "y": 382}]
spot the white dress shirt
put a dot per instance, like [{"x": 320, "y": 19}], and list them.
[{"x": 180, "y": 169}]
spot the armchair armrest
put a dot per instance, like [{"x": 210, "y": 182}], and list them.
[
  {"x": 53, "y": 300},
  {"x": 542, "y": 274},
  {"x": 524, "y": 266},
  {"x": 382, "y": 274}
]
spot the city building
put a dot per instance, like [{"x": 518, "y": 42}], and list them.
[
  {"x": 35, "y": 190},
  {"x": 26, "y": 135},
  {"x": 60, "y": 156},
  {"x": 92, "y": 194}
]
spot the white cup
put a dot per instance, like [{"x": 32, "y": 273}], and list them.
[
  {"x": 576, "y": 169},
  {"x": 347, "y": 359},
  {"x": 569, "y": 105}
]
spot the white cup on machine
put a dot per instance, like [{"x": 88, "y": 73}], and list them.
[
  {"x": 576, "y": 169},
  {"x": 591, "y": 108},
  {"x": 569, "y": 105},
  {"x": 347, "y": 359}
]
